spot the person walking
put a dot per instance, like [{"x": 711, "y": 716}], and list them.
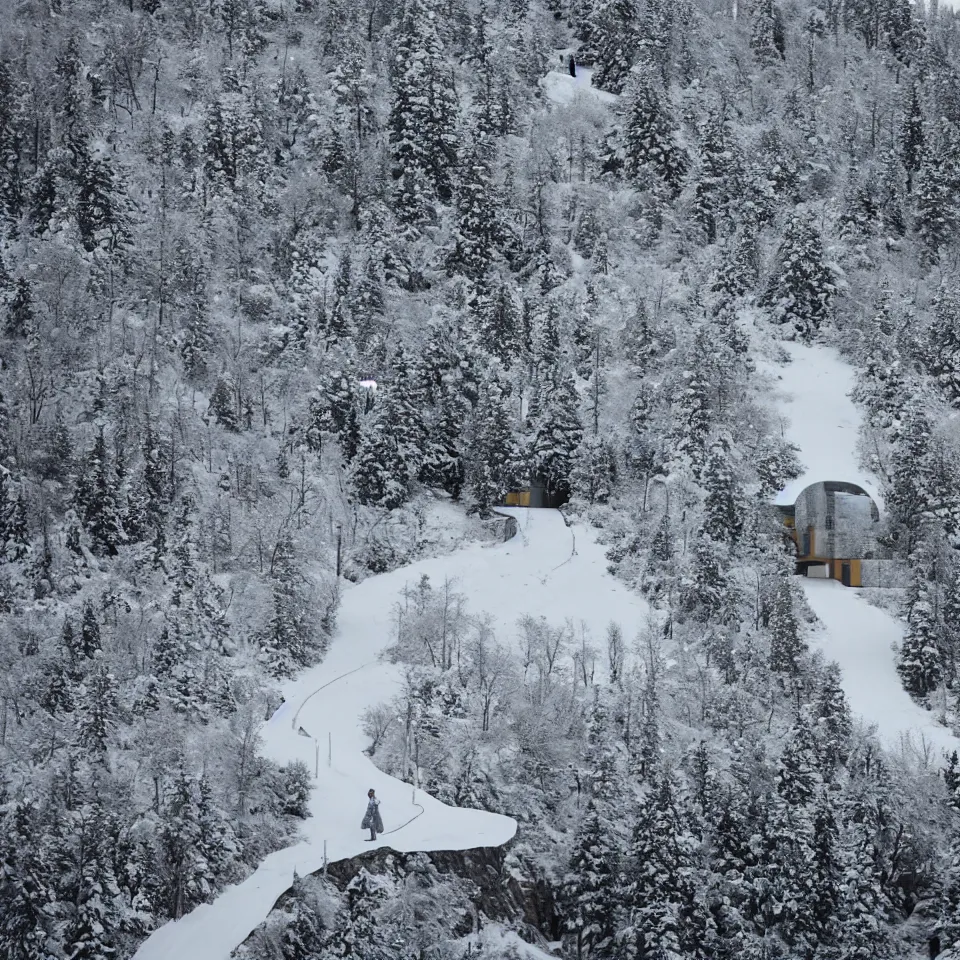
[{"x": 371, "y": 819}]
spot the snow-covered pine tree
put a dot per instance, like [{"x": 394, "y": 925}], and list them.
[
  {"x": 589, "y": 892},
  {"x": 594, "y": 474},
  {"x": 762, "y": 41},
  {"x": 801, "y": 289},
  {"x": 494, "y": 464},
  {"x": 557, "y": 433},
  {"x": 291, "y": 639},
  {"x": 646, "y": 149},
  {"x": 614, "y": 32},
  {"x": 786, "y": 645},
  {"x": 944, "y": 342},
  {"x": 723, "y": 513},
  {"x": 717, "y": 177},
  {"x": 919, "y": 661},
  {"x": 912, "y": 137},
  {"x": 423, "y": 116},
  {"x": 833, "y": 723},
  {"x": 936, "y": 191},
  {"x": 480, "y": 230},
  {"x": 692, "y": 411},
  {"x": 380, "y": 468},
  {"x": 662, "y": 914}
]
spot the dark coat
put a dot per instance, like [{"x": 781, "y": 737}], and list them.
[{"x": 372, "y": 817}]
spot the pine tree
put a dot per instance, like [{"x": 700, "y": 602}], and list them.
[
  {"x": 27, "y": 895},
  {"x": 20, "y": 315},
  {"x": 615, "y": 35},
  {"x": 333, "y": 408},
  {"x": 493, "y": 459},
  {"x": 589, "y": 891},
  {"x": 102, "y": 211},
  {"x": 594, "y": 474},
  {"x": 717, "y": 176},
  {"x": 708, "y": 592},
  {"x": 723, "y": 514},
  {"x": 557, "y": 434},
  {"x": 912, "y": 136},
  {"x": 944, "y": 345},
  {"x": 937, "y": 190},
  {"x": 762, "y": 41},
  {"x": 89, "y": 643},
  {"x": 663, "y": 917},
  {"x": 85, "y": 864},
  {"x": 443, "y": 461},
  {"x": 831, "y": 715},
  {"x": 692, "y": 408},
  {"x": 480, "y": 229},
  {"x": 407, "y": 408},
  {"x": 422, "y": 116},
  {"x": 827, "y": 879},
  {"x": 786, "y": 645},
  {"x": 499, "y": 314},
  {"x": 99, "y": 501},
  {"x": 919, "y": 660},
  {"x": 96, "y": 711},
  {"x": 798, "y": 776},
  {"x": 184, "y": 874},
  {"x": 648, "y": 146},
  {"x": 801, "y": 288},
  {"x": 381, "y": 470},
  {"x": 290, "y": 639}
]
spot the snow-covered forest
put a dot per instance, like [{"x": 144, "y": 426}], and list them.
[{"x": 293, "y": 292}]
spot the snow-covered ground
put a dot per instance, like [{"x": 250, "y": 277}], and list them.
[
  {"x": 812, "y": 396},
  {"x": 546, "y": 569},
  {"x": 859, "y": 637},
  {"x": 820, "y": 418},
  {"x": 561, "y": 88}
]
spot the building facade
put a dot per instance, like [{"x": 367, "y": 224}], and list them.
[{"x": 834, "y": 526}]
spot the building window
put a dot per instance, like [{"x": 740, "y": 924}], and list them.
[{"x": 829, "y": 522}]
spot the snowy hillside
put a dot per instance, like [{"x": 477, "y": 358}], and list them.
[
  {"x": 293, "y": 296},
  {"x": 546, "y": 569}
]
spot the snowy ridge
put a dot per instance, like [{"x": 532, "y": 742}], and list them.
[
  {"x": 821, "y": 419},
  {"x": 546, "y": 568}
]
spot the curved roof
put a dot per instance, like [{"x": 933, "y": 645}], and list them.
[{"x": 791, "y": 492}]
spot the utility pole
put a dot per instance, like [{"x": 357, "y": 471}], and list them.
[{"x": 339, "y": 543}]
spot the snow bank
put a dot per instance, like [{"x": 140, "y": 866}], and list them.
[
  {"x": 547, "y": 568},
  {"x": 820, "y": 418}
]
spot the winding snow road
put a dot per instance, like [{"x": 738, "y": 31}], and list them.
[{"x": 546, "y": 569}]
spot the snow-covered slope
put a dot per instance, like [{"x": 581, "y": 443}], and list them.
[
  {"x": 859, "y": 637},
  {"x": 546, "y": 569},
  {"x": 820, "y": 418},
  {"x": 561, "y": 88}
]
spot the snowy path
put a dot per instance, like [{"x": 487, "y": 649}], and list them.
[
  {"x": 859, "y": 637},
  {"x": 821, "y": 419},
  {"x": 537, "y": 572}
]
